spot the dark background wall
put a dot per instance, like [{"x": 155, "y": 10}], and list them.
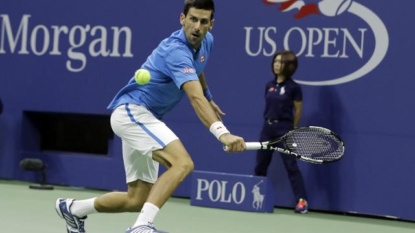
[{"x": 62, "y": 62}]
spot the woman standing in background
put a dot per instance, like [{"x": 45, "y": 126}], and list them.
[{"x": 283, "y": 105}]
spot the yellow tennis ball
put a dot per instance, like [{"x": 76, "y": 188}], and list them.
[{"x": 142, "y": 76}]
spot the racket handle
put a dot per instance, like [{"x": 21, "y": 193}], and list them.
[
  {"x": 249, "y": 146},
  {"x": 253, "y": 145}
]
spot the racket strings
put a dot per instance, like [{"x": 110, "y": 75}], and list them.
[{"x": 315, "y": 144}]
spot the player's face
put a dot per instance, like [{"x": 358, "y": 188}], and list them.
[
  {"x": 277, "y": 65},
  {"x": 196, "y": 24}
]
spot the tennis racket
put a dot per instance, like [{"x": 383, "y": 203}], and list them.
[{"x": 311, "y": 144}]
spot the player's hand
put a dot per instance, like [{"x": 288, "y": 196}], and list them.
[
  {"x": 233, "y": 143},
  {"x": 216, "y": 108}
]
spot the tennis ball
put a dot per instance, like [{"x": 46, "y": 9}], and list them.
[{"x": 142, "y": 76}]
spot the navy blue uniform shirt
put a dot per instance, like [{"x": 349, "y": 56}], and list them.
[{"x": 279, "y": 99}]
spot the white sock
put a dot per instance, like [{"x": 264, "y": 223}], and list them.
[
  {"x": 83, "y": 207},
  {"x": 147, "y": 215}
]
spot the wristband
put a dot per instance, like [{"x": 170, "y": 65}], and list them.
[
  {"x": 207, "y": 94},
  {"x": 218, "y": 129}
]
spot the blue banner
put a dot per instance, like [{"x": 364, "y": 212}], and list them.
[{"x": 232, "y": 191}]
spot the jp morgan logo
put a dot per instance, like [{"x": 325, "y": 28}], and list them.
[
  {"x": 85, "y": 41},
  {"x": 324, "y": 42}
]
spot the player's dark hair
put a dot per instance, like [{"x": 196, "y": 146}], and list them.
[
  {"x": 289, "y": 60},
  {"x": 199, "y": 4}
]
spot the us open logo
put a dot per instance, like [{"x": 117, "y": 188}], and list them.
[{"x": 368, "y": 43}]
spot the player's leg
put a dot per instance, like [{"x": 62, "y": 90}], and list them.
[
  {"x": 156, "y": 142},
  {"x": 175, "y": 157},
  {"x": 180, "y": 165},
  {"x": 76, "y": 211},
  {"x": 139, "y": 185},
  {"x": 119, "y": 202},
  {"x": 141, "y": 173}
]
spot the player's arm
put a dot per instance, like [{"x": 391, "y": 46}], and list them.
[
  {"x": 179, "y": 67},
  {"x": 202, "y": 81},
  {"x": 208, "y": 117},
  {"x": 199, "y": 102},
  {"x": 208, "y": 95},
  {"x": 298, "y": 107}
]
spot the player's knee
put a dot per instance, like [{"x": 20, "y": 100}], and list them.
[
  {"x": 185, "y": 165},
  {"x": 190, "y": 166}
]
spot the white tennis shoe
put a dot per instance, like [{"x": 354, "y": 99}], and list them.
[
  {"x": 74, "y": 224},
  {"x": 144, "y": 229}
]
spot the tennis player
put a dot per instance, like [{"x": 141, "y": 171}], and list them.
[{"x": 176, "y": 68}]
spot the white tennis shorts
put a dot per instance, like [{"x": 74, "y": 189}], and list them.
[{"x": 141, "y": 133}]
